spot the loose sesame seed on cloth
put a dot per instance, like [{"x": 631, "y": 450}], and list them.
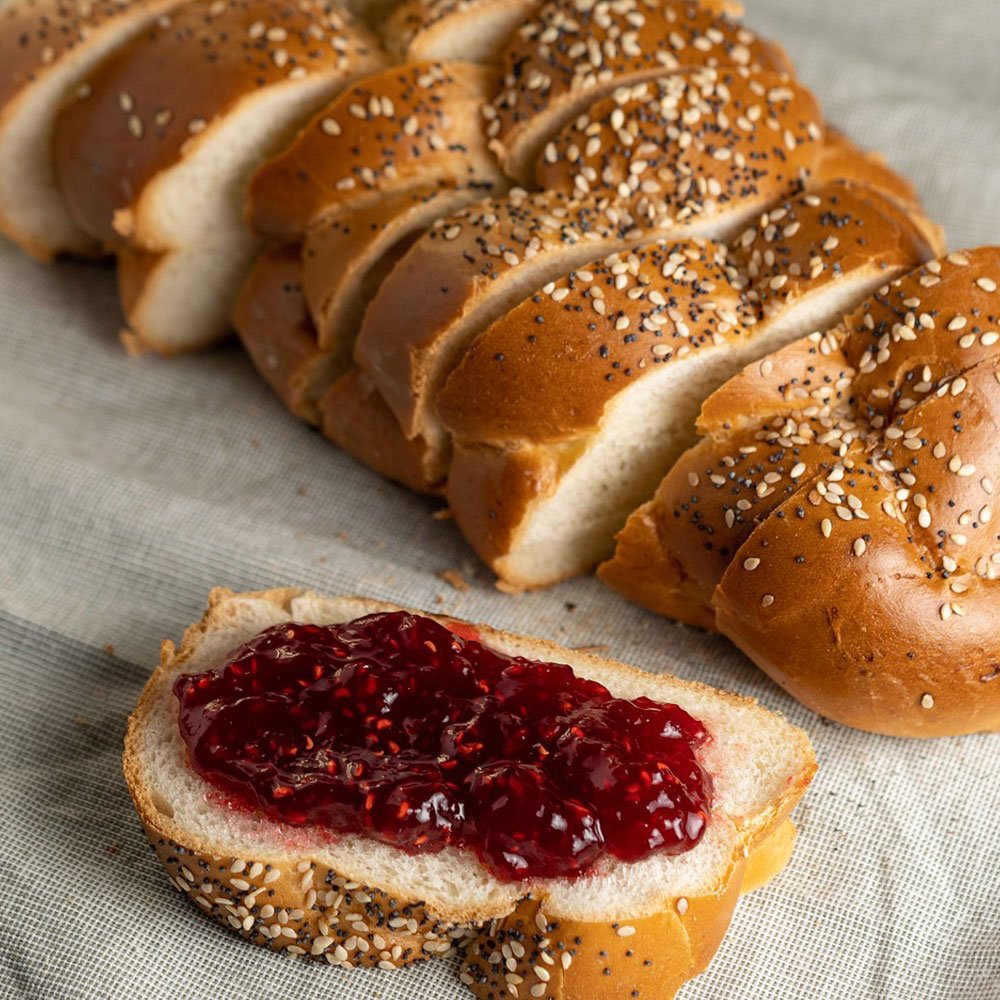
[{"x": 130, "y": 487}]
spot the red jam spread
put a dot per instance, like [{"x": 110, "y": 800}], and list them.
[{"x": 395, "y": 727}]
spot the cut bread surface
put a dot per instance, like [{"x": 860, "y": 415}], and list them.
[
  {"x": 759, "y": 764},
  {"x": 475, "y": 30},
  {"x": 346, "y": 259}
]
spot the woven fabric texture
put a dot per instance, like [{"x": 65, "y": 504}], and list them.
[{"x": 130, "y": 487}]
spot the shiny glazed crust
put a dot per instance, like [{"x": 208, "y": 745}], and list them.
[{"x": 406, "y": 127}]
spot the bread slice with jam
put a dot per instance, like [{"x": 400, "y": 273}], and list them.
[{"x": 611, "y": 928}]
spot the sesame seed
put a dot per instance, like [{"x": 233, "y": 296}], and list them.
[
  {"x": 860, "y": 546},
  {"x": 751, "y": 564},
  {"x": 626, "y": 931},
  {"x": 826, "y": 526},
  {"x": 682, "y": 906},
  {"x": 987, "y": 284}
]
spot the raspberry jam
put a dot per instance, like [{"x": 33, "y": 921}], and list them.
[{"x": 397, "y": 728}]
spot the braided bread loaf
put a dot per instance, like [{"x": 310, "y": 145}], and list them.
[{"x": 504, "y": 251}]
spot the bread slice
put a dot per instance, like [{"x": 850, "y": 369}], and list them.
[
  {"x": 540, "y": 491},
  {"x": 48, "y": 49},
  {"x": 351, "y": 900},
  {"x": 867, "y": 452},
  {"x": 473, "y": 267},
  {"x": 413, "y": 126},
  {"x": 570, "y": 55},
  {"x": 156, "y": 158}
]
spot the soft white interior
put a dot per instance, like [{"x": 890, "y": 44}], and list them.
[
  {"x": 194, "y": 212},
  {"x": 207, "y": 189},
  {"x": 31, "y": 201},
  {"x": 188, "y": 298},
  {"x": 753, "y": 756},
  {"x": 644, "y": 430},
  {"x": 477, "y": 32}
]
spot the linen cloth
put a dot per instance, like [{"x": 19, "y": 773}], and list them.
[{"x": 129, "y": 487}]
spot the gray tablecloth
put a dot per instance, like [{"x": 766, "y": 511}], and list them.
[{"x": 130, "y": 487}]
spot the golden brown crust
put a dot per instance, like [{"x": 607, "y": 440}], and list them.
[
  {"x": 770, "y": 856},
  {"x": 645, "y": 572},
  {"x": 690, "y": 147},
  {"x": 152, "y": 103},
  {"x": 405, "y": 127},
  {"x": 571, "y": 51},
  {"x": 346, "y": 259},
  {"x": 409, "y": 341},
  {"x": 803, "y": 245},
  {"x": 647, "y": 957},
  {"x": 869, "y": 452},
  {"x": 441, "y": 29},
  {"x": 355, "y": 418},
  {"x": 842, "y": 159},
  {"x": 273, "y": 323},
  {"x": 479, "y": 29},
  {"x": 36, "y": 34},
  {"x": 631, "y": 313}
]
